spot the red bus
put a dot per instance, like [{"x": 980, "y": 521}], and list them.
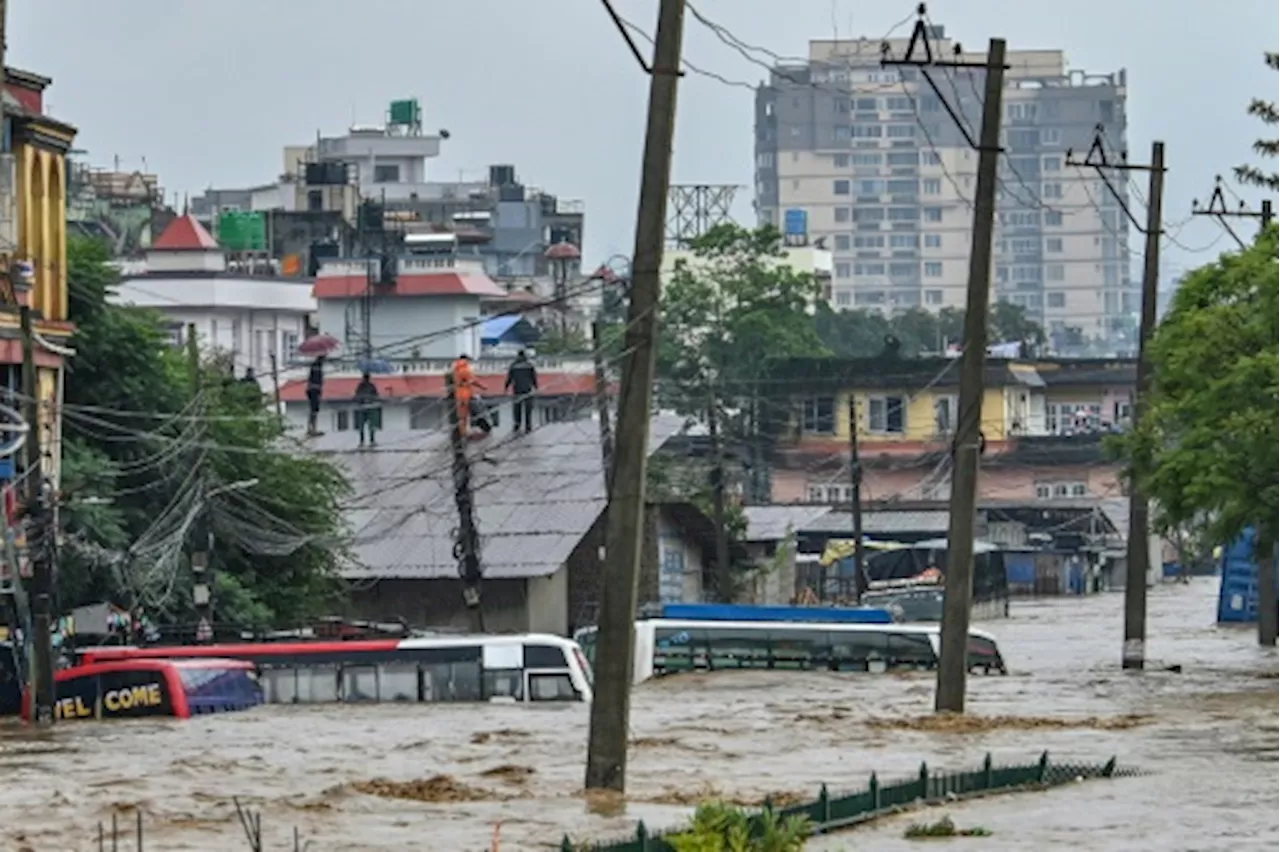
[{"x": 125, "y": 689}]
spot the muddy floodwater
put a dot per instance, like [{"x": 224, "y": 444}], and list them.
[{"x": 436, "y": 777}]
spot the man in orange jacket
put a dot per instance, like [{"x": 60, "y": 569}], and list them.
[{"x": 464, "y": 382}]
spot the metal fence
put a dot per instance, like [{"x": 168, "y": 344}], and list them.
[
  {"x": 830, "y": 813},
  {"x": 132, "y": 838}
]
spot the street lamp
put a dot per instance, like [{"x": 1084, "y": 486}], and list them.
[{"x": 202, "y": 539}]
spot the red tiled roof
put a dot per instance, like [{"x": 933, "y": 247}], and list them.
[
  {"x": 185, "y": 234},
  {"x": 430, "y": 284},
  {"x": 342, "y": 388}
]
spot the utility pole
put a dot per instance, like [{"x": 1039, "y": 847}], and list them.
[
  {"x": 275, "y": 383},
  {"x": 724, "y": 570},
  {"x": 602, "y": 403},
  {"x": 467, "y": 544},
  {"x": 201, "y": 535},
  {"x": 1217, "y": 208},
  {"x": 39, "y": 538},
  {"x": 855, "y": 479},
  {"x": 611, "y": 709},
  {"x": 193, "y": 357},
  {"x": 958, "y": 599},
  {"x": 1138, "y": 555}
]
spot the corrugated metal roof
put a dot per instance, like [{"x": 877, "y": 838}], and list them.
[
  {"x": 536, "y": 496},
  {"x": 771, "y": 523},
  {"x": 882, "y": 523}
]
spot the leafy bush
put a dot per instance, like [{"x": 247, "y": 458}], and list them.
[{"x": 719, "y": 827}]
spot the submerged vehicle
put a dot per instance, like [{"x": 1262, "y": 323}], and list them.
[
  {"x": 125, "y": 689},
  {"x": 528, "y": 667},
  {"x": 665, "y": 646}
]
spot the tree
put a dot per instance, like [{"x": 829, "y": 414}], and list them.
[
  {"x": 141, "y": 454},
  {"x": 1269, "y": 147},
  {"x": 1009, "y": 323},
  {"x": 1206, "y": 449}
]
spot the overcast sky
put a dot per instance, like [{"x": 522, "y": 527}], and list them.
[{"x": 209, "y": 92}]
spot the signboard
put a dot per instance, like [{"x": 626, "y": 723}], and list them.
[{"x": 795, "y": 222}]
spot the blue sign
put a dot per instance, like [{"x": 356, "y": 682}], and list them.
[{"x": 796, "y": 222}]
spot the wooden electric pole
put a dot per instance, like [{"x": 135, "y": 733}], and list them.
[
  {"x": 467, "y": 545},
  {"x": 855, "y": 505},
  {"x": 724, "y": 569},
  {"x": 1217, "y": 208},
  {"x": 39, "y": 534},
  {"x": 958, "y": 596},
  {"x": 611, "y": 709},
  {"x": 1137, "y": 552},
  {"x": 602, "y": 402}
]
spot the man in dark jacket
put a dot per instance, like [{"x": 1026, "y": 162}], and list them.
[
  {"x": 368, "y": 413},
  {"x": 315, "y": 391},
  {"x": 522, "y": 382}
]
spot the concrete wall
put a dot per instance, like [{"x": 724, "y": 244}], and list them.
[
  {"x": 407, "y": 320},
  {"x": 548, "y": 603},
  {"x": 438, "y": 603}
]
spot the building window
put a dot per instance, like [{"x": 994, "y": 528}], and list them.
[
  {"x": 870, "y": 187},
  {"x": 1053, "y": 245},
  {"x": 388, "y": 173},
  {"x": 840, "y": 187},
  {"x": 933, "y": 240},
  {"x": 867, "y": 131},
  {"x": 842, "y": 270},
  {"x": 1056, "y": 299},
  {"x": 866, "y": 104},
  {"x": 904, "y": 241},
  {"x": 176, "y": 333},
  {"x": 315, "y": 200},
  {"x": 931, "y": 186},
  {"x": 840, "y": 161},
  {"x": 944, "y": 414},
  {"x": 868, "y": 214},
  {"x": 933, "y": 297},
  {"x": 901, "y": 131},
  {"x": 842, "y": 242},
  {"x": 868, "y": 241},
  {"x": 1051, "y": 164},
  {"x": 903, "y": 214},
  {"x": 1054, "y": 272},
  {"x": 844, "y": 298},
  {"x": 861, "y": 269},
  {"x": 1051, "y": 190},
  {"x": 867, "y": 159},
  {"x": 898, "y": 104},
  {"x": 841, "y": 133},
  {"x": 1053, "y": 218},
  {"x": 933, "y": 214},
  {"x": 933, "y": 269},
  {"x": 819, "y": 416},
  {"x": 1061, "y": 490},
  {"x": 887, "y": 415},
  {"x": 1050, "y": 136},
  {"x": 932, "y": 158},
  {"x": 842, "y": 214}
]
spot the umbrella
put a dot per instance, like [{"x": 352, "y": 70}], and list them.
[
  {"x": 377, "y": 366},
  {"x": 318, "y": 344}
]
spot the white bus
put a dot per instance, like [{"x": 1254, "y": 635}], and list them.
[
  {"x": 528, "y": 667},
  {"x": 670, "y": 646}
]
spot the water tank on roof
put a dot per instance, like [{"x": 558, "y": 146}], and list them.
[
  {"x": 502, "y": 175},
  {"x": 511, "y": 192}
]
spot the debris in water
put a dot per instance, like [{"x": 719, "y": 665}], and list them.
[
  {"x": 709, "y": 793},
  {"x": 955, "y": 723},
  {"x": 437, "y": 788},
  {"x": 483, "y": 737},
  {"x": 510, "y": 772}
]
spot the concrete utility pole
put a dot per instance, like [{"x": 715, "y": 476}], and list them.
[
  {"x": 602, "y": 402},
  {"x": 611, "y": 709},
  {"x": 724, "y": 569},
  {"x": 467, "y": 547},
  {"x": 855, "y": 480},
  {"x": 952, "y": 659},
  {"x": 39, "y": 535}
]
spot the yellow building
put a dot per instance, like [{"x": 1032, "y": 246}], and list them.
[{"x": 33, "y": 243}]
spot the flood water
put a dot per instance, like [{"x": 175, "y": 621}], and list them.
[{"x": 1208, "y": 736}]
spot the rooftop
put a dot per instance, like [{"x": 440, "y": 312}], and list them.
[
  {"x": 185, "y": 234},
  {"x": 536, "y": 496}
]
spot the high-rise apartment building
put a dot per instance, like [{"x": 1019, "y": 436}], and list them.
[{"x": 887, "y": 177}]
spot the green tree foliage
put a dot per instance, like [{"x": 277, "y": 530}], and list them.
[
  {"x": 862, "y": 333},
  {"x": 1269, "y": 147},
  {"x": 719, "y": 827},
  {"x": 140, "y": 454},
  {"x": 1206, "y": 450}
]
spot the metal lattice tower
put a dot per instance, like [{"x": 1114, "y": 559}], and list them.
[{"x": 694, "y": 209}]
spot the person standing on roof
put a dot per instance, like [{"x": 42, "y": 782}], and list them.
[
  {"x": 464, "y": 387},
  {"x": 368, "y": 412},
  {"x": 315, "y": 390},
  {"x": 522, "y": 381}
]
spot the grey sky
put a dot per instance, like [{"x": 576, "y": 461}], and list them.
[{"x": 209, "y": 92}]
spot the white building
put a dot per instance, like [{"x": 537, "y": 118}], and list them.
[
  {"x": 799, "y": 255},
  {"x": 879, "y": 167},
  {"x": 257, "y": 319}
]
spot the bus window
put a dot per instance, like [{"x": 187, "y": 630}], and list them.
[
  {"x": 280, "y": 686},
  {"x": 359, "y": 683},
  {"x": 854, "y": 650},
  {"x": 910, "y": 651},
  {"x": 318, "y": 684},
  {"x": 799, "y": 649},
  {"x": 504, "y": 683},
  {"x": 398, "y": 682},
  {"x": 674, "y": 651},
  {"x": 451, "y": 681},
  {"x": 552, "y": 687},
  {"x": 544, "y": 657},
  {"x": 737, "y": 648}
]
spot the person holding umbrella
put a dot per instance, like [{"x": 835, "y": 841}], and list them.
[{"x": 315, "y": 392}]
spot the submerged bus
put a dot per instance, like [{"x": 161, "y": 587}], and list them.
[
  {"x": 666, "y": 646},
  {"x": 132, "y": 688},
  {"x": 530, "y": 667}
]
